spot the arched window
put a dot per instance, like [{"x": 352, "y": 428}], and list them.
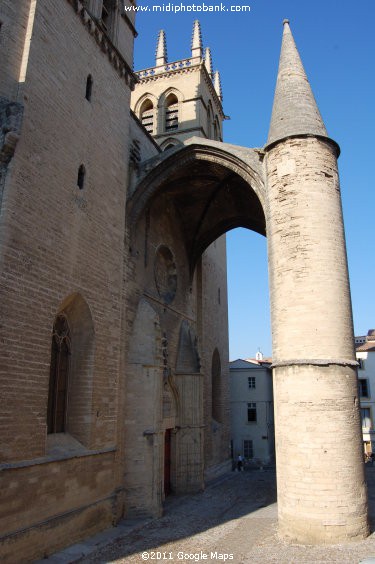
[
  {"x": 216, "y": 386},
  {"x": 59, "y": 376},
  {"x": 216, "y": 130},
  {"x": 70, "y": 391},
  {"x": 209, "y": 122},
  {"x": 89, "y": 83},
  {"x": 81, "y": 177},
  {"x": 171, "y": 112},
  {"x": 146, "y": 115}
]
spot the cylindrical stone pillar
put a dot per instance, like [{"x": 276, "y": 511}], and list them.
[{"x": 320, "y": 471}]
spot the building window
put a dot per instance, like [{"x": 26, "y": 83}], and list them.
[
  {"x": 251, "y": 382},
  {"x": 146, "y": 116},
  {"x": 59, "y": 376},
  {"x": 89, "y": 83},
  {"x": 361, "y": 363},
  {"x": 248, "y": 451},
  {"x": 209, "y": 123},
  {"x": 363, "y": 388},
  {"x": 251, "y": 412},
  {"x": 81, "y": 177},
  {"x": 171, "y": 113},
  {"x": 366, "y": 417}
]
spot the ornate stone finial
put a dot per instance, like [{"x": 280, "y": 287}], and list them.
[
  {"x": 208, "y": 61},
  {"x": 161, "y": 49},
  {"x": 217, "y": 85},
  {"x": 286, "y": 21},
  {"x": 196, "y": 42}
]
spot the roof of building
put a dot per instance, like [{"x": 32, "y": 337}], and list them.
[
  {"x": 294, "y": 111},
  {"x": 365, "y": 347},
  {"x": 247, "y": 363},
  {"x": 367, "y": 343}
]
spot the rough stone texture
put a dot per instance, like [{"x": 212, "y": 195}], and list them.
[
  {"x": 58, "y": 244},
  {"x": 315, "y": 388},
  {"x": 294, "y": 109}
]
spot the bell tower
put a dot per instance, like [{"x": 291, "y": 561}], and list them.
[{"x": 178, "y": 100}]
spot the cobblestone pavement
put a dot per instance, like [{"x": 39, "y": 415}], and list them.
[{"x": 234, "y": 520}]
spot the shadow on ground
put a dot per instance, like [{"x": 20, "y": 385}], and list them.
[{"x": 229, "y": 499}]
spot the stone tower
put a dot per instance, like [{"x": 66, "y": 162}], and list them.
[
  {"x": 321, "y": 487},
  {"x": 178, "y": 100}
]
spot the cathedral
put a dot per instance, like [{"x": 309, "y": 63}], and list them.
[{"x": 116, "y": 191}]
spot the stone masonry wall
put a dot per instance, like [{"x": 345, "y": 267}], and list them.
[
  {"x": 321, "y": 488},
  {"x": 60, "y": 243}
]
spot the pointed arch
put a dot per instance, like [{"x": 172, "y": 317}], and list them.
[
  {"x": 145, "y": 110},
  {"x": 171, "y": 113},
  {"x": 59, "y": 376},
  {"x": 169, "y": 143},
  {"x": 228, "y": 192},
  {"x": 209, "y": 120},
  {"x": 147, "y": 115},
  {"x": 169, "y": 110},
  {"x": 71, "y": 370},
  {"x": 188, "y": 361}
]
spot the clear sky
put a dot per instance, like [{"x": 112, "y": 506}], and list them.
[{"x": 336, "y": 41}]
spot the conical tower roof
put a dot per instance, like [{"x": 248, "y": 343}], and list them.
[{"x": 294, "y": 111}]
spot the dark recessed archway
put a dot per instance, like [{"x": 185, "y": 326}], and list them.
[{"x": 213, "y": 190}]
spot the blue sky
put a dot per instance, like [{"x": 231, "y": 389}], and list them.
[{"x": 336, "y": 41}]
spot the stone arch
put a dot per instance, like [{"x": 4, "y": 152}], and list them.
[
  {"x": 169, "y": 110},
  {"x": 188, "y": 361},
  {"x": 171, "y": 90},
  {"x": 170, "y": 143},
  {"x": 146, "y": 111},
  {"x": 218, "y": 186},
  {"x": 209, "y": 120},
  {"x": 77, "y": 313}
]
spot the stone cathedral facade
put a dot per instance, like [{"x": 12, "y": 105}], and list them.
[{"x": 116, "y": 191}]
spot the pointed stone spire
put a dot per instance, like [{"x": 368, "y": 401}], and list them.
[
  {"x": 208, "y": 61},
  {"x": 196, "y": 42},
  {"x": 294, "y": 111},
  {"x": 217, "y": 85},
  {"x": 161, "y": 49}
]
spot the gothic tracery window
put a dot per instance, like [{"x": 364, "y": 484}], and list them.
[{"x": 59, "y": 376}]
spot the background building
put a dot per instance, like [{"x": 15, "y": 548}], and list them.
[
  {"x": 252, "y": 419},
  {"x": 365, "y": 353}
]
